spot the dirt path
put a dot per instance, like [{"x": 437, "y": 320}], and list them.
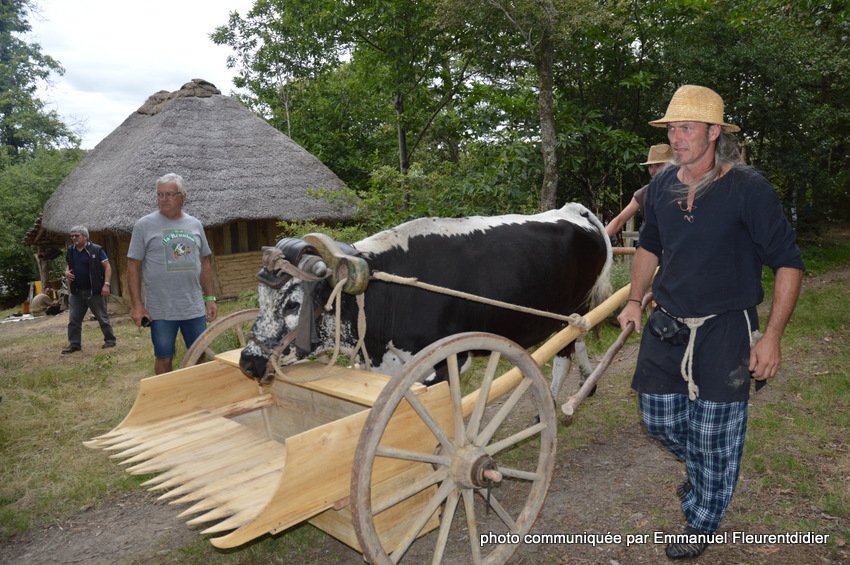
[{"x": 620, "y": 483}]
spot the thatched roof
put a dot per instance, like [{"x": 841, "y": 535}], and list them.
[{"x": 235, "y": 165}]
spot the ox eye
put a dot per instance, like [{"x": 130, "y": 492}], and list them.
[{"x": 291, "y": 307}]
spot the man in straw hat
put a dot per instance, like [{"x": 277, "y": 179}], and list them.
[
  {"x": 716, "y": 222},
  {"x": 659, "y": 156}
]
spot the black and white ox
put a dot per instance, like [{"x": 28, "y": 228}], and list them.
[{"x": 557, "y": 261}]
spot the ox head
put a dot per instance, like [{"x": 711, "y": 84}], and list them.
[{"x": 285, "y": 326}]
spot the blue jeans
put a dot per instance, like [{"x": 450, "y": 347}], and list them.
[
  {"x": 78, "y": 304},
  {"x": 164, "y": 333},
  {"x": 709, "y": 437}
]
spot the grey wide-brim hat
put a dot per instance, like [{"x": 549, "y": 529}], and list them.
[{"x": 691, "y": 103}]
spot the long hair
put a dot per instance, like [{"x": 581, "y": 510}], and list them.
[{"x": 727, "y": 155}]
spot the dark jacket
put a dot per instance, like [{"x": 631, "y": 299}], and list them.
[{"x": 96, "y": 273}]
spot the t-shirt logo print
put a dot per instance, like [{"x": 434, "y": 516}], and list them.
[
  {"x": 180, "y": 249},
  {"x": 178, "y": 245}
]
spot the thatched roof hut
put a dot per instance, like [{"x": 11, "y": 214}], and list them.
[{"x": 242, "y": 176}]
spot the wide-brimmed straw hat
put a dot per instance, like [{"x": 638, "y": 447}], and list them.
[
  {"x": 658, "y": 154},
  {"x": 693, "y": 103}
]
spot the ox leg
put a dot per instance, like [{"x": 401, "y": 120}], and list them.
[
  {"x": 584, "y": 368},
  {"x": 561, "y": 365},
  {"x": 442, "y": 370}
]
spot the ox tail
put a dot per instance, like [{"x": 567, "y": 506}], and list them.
[{"x": 602, "y": 288}]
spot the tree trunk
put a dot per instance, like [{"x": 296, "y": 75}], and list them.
[
  {"x": 403, "y": 157},
  {"x": 548, "y": 133}
]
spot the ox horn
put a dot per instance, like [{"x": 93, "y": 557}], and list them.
[
  {"x": 274, "y": 261},
  {"x": 342, "y": 266}
]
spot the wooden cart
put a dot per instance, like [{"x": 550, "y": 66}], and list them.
[{"x": 376, "y": 462}]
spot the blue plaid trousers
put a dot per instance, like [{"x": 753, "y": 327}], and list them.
[{"x": 709, "y": 437}]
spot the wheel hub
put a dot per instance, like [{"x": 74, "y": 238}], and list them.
[{"x": 472, "y": 467}]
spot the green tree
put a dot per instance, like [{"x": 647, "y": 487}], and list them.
[
  {"x": 24, "y": 188},
  {"x": 782, "y": 68},
  {"x": 25, "y": 124},
  {"x": 473, "y": 93},
  {"x": 36, "y": 149},
  {"x": 399, "y": 46}
]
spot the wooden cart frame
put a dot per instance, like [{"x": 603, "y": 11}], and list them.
[{"x": 375, "y": 462}]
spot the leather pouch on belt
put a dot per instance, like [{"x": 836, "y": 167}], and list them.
[{"x": 667, "y": 328}]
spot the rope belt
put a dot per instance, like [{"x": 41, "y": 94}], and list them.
[{"x": 687, "y": 366}]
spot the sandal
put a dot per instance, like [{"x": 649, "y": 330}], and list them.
[{"x": 689, "y": 549}]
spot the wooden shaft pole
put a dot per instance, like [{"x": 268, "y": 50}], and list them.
[{"x": 507, "y": 382}]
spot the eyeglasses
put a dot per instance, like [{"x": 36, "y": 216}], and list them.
[
  {"x": 164, "y": 195},
  {"x": 75, "y": 235}
]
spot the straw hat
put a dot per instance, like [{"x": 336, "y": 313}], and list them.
[
  {"x": 658, "y": 154},
  {"x": 695, "y": 104}
]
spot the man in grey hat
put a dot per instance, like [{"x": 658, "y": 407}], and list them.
[
  {"x": 658, "y": 157},
  {"x": 88, "y": 273},
  {"x": 716, "y": 222}
]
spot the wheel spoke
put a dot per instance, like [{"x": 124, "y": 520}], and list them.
[
  {"x": 445, "y": 527},
  {"x": 483, "y": 393},
  {"x": 485, "y": 436},
  {"x": 240, "y": 335},
  {"x": 457, "y": 409},
  {"x": 419, "y": 456},
  {"x": 429, "y": 421},
  {"x": 424, "y": 515},
  {"x": 411, "y": 490},
  {"x": 500, "y": 511},
  {"x": 498, "y": 446},
  {"x": 519, "y": 474},
  {"x": 471, "y": 524}
]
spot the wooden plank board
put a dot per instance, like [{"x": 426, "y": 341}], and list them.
[
  {"x": 229, "y": 357},
  {"x": 207, "y": 386},
  {"x": 393, "y": 522},
  {"x": 354, "y": 385}
]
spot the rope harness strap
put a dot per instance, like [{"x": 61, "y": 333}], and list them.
[{"x": 576, "y": 320}]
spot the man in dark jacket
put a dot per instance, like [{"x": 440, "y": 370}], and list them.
[
  {"x": 88, "y": 274},
  {"x": 711, "y": 224}
]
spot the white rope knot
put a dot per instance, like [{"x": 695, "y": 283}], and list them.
[
  {"x": 687, "y": 367},
  {"x": 580, "y": 322}
]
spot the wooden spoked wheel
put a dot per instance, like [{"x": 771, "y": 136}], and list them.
[
  {"x": 486, "y": 472},
  {"x": 229, "y": 332}
]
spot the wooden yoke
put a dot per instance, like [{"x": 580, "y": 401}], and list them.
[{"x": 343, "y": 266}]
